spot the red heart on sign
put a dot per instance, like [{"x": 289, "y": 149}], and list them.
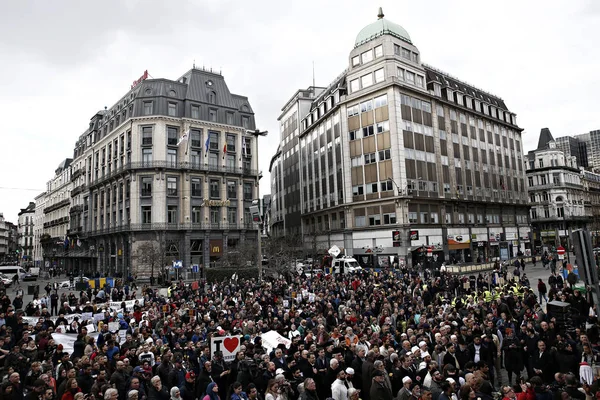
[{"x": 231, "y": 344}]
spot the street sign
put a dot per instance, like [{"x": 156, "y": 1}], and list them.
[
  {"x": 195, "y": 268},
  {"x": 334, "y": 251},
  {"x": 560, "y": 251},
  {"x": 177, "y": 264}
]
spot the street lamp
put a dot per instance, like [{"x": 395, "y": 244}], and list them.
[{"x": 257, "y": 133}]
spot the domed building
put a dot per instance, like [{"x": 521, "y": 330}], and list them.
[{"x": 400, "y": 163}]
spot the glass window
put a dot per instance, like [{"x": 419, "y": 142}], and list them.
[
  {"x": 378, "y": 51},
  {"x": 355, "y": 61},
  {"x": 379, "y": 77},
  {"x": 212, "y": 115},
  {"x": 406, "y": 53},
  {"x": 215, "y": 189},
  {"x": 232, "y": 189},
  {"x": 146, "y": 186},
  {"x": 148, "y": 108},
  {"x": 172, "y": 110},
  {"x": 196, "y": 112},
  {"x": 366, "y": 80},
  {"x": 410, "y": 77},
  {"x": 172, "y": 158},
  {"x": 354, "y": 86},
  {"x": 232, "y": 214},
  {"x": 245, "y": 122},
  {"x": 229, "y": 118},
  {"x": 248, "y": 191},
  {"x": 196, "y": 214},
  {"x": 171, "y": 186},
  {"x": 171, "y": 136},
  {"x": 147, "y": 136},
  {"x": 420, "y": 81},
  {"x": 147, "y": 155},
  {"x": 381, "y": 101},
  {"x": 196, "y": 187},
  {"x": 215, "y": 215},
  {"x": 400, "y": 74},
  {"x": 172, "y": 214},
  {"x": 146, "y": 214},
  {"x": 214, "y": 140},
  {"x": 366, "y": 56}
]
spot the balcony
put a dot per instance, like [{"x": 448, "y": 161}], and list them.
[
  {"x": 78, "y": 190},
  {"x": 76, "y": 174},
  {"x": 76, "y": 209},
  {"x": 181, "y": 165},
  {"x": 57, "y": 206},
  {"x": 187, "y": 226},
  {"x": 56, "y": 222}
]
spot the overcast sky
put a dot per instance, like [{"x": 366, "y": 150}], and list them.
[{"x": 64, "y": 60}]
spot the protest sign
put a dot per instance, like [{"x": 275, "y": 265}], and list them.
[
  {"x": 229, "y": 345},
  {"x": 272, "y": 339}
]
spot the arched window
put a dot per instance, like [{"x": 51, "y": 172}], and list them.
[
  {"x": 212, "y": 97},
  {"x": 559, "y": 199}
]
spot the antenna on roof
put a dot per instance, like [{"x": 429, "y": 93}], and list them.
[
  {"x": 313, "y": 74},
  {"x": 194, "y": 65}
]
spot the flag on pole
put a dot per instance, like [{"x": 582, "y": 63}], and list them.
[
  {"x": 224, "y": 150},
  {"x": 183, "y": 137},
  {"x": 66, "y": 242},
  {"x": 206, "y": 144}
]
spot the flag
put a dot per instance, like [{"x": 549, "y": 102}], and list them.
[
  {"x": 78, "y": 243},
  {"x": 66, "y": 242},
  {"x": 206, "y": 144},
  {"x": 183, "y": 137},
  {"x": 224, "y": 150}
]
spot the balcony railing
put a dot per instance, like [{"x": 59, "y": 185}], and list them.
[
  {"x": 184, "y": 165},
  {"x": 56, "y": 222},
  {"x": 56, "y": 206},
  {"x": 171, "y": 227}
]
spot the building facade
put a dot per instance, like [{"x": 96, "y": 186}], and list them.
[
  {"x": 4, "y": 232},
  {"x": 403, "y": 163},
  {"x": 26, "y": 234},
  {"x": 174, "y": 165},
  {"x": 38, "y": 230},
  {"x": 285, "y": 165},
  {"x": 563, "y": 195},
  {"x": 54, "y": 209}
]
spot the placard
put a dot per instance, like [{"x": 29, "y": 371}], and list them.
[
  {"x": 113, "y": 326},
  {"x": 229, "y": 345}
]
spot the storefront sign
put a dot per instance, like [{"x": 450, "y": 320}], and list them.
[
  {"x": 216, "y": 247},
  {"x": 548, "y": 233},
  {"x": 215, "y": 203},
  {"x": 458, "y": 239},
  {"x": 494, "y": 237},
  {"x": 511, "y": 236},
  {"x": 414, "y": 235}
]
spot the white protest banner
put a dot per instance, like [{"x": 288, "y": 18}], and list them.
[
  {"x": 286, "y": 304},
  {"x": 229, "y": 345},
  {"x": 87, "y": 316},
  {"x": 67, "y": 340},
  {"x": 122, "y": 335},
  {"x": 272, "y": 339},
  {"x": 98, "y": 317},
  {"x": 90, "y": 328},
  {"x": 128, "y": 304},
  {"x": 113, "y": 326},
  {"x": 34, "y": 320}
]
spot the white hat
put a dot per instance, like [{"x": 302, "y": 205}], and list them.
[
  {"x": 350, "y": 371},
  {"x": 450, "y": 380},
  {"x": 409, "y": 353},
  {"x": 406, "y": 379},
  {"x": 415, "y": 348},
  {"x": 422, "y": 343},
  {"x": 424, "y": 354},
  {"x": 279, "y": 371}
]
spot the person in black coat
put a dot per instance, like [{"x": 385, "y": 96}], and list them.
[
  {"x": 543, "y": 363},
  {"x": 368, "y": 368},
  {"x": 513, "y": 356},
  {"x": 157, "y": 391},
  {"x": 379, "y": 390},
  {"x": 203, "y": 380}
]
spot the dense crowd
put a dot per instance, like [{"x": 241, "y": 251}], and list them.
[{"x": 402, "y": 335}]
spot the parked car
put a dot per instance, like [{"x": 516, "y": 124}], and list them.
[
  {"x": 6, "y": 280},
  {"x": 29, "y": 277},
  {"x": 67, "y": 284}
]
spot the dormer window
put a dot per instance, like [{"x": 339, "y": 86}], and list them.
[{"x": 212, "y": 97}]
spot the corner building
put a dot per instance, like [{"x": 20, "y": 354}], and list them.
[
  {"x": 401, "y": 162},
  {"x": 173, "y": 163}
]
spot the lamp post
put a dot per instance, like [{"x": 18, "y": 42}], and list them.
[{"x": 256, "y": 133}]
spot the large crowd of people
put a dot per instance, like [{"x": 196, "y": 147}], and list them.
[{"x": 404, "y": 334}]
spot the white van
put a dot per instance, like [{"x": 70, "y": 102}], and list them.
[
  {"x": 345, "y": 265},
  {"x": 11, "y": 270}
]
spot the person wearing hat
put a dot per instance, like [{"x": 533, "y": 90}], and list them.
[
  {"x": 339, "y": 391},
  {"x": 188, "y": 389},
  {"x": 405, "y": 392},
  {"x": 379, "y": 390}
]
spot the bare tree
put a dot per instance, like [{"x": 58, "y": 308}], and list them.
[
  {"x": 240, "y": 256},
  {"x": 150, "y": 254},
  {"x": 280, "y": 253}
]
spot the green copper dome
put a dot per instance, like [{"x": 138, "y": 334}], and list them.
[{"x": 379, "y": 28}]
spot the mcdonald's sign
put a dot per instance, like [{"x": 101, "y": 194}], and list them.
[{"x": 216, "y": 247}]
